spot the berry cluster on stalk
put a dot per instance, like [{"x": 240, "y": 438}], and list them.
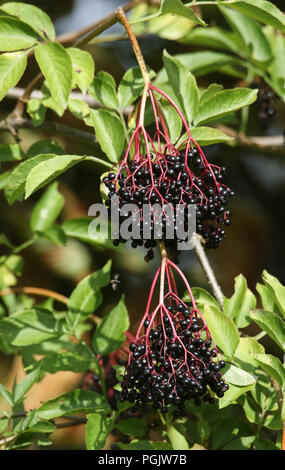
[
  {"x": 173, "y": 357},
  {"x": 162, "y": 174}
]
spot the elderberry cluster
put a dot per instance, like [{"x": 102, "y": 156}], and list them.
[
  {"x": 172, "y": 363},
  {"x": 176, "y": 178}
]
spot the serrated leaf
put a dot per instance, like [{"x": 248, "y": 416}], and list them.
[
  {"x": 173, "y": 121},
  {"x": 200, "y": 63},
  {"x": 83, "y": 67},
  {"x": 97, "y": 429},
  {"x": 24, "y": 385},
  {"x": 49, "y": 169},
  {"x": 86, "y": 297},
  {"x": 103, "y": 89},
  {"x": 56, "y": 66},
  {"x": 109, "y": 335},
  {"x": 47, "y": 209},
  {"x": 223, "y": 432},
  {"x": 277, "y": 288},
  {"x": 33, "y": 16},
  {"x": 202, "y": 297},
  {"x": 272, "y": 366},
  {"x": 247, "y": 347},
  {"x": 66, "y": 360},
  {"x": 258, "y": 48},
  {"x": 30, "y": 327},
  {"x": 133, "y": 427},
  {"x": 47, "y": 146},
  {"x": 272, "y": 324},
  {"x": 76, "y": 401},
  {"x": 6, "y": 394},
  {"x": 37, "y": 111},
  {"x": 10, "y": 152},
  {"x": 178, "y": 440},
  {"x": 78, "y": 108},
  {"x": 238, "y": 307},
  {"x": 223, "y": 103},
  {"x": 267, "y": 297},
  {"x": 236, "y": 376},
  {"x": 260, "y": 10},
  {"x": 131, "y": 86},
  {"x": 183, "y": 84},
  {"x": 12, "y": 67},
  {"x": 80, "y": 229},
  {"x": 232, "y": 395},
  {"x": 223, "y": 330},
  {"x": 15, "y": 35},
  {"x": 208, "y": 135},
  {"x": 109, "y": 132}
]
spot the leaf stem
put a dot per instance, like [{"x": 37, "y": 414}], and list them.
[{"x": 35, "y": 291}]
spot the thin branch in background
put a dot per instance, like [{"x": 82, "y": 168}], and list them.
[
  {"x": 35, "y": 291},
  {"x": 209, "y": 273}
]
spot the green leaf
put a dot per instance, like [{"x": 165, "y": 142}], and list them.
[
  {"x": 15, "y": 186},
  {"x": 235, "y": 375},
  {"x": 15, "y": 35},
  {"x": 37, "y": 111},
  {"x": 178, "y": 441},
  {"x": 55, "y": 234},
  {"x": 223, "y": 103},
  {"x": 208, "y": 136},
  {"x": 131, "y": 86},
  {"x": 76, "y": 401},
  {"x": 175, "y": 7},
  {"x": 10, "y": 152},
  {"x": 260, "y": 10},
  {"x": 264, "y": 444},
  {"x": 133, "y": 427},
  {"x": 86, "y": 297},
  {"x": 267, "y": 297},
  {"x": 80, "y": 229},
  {"x": 33, "y": 16},
  {"x": 183, "y": 84},
  {"x": 252, "y": 411},
  {"x": 66, "y": 360},
  {"x": 109, "y": 335},
  {"x": 276, "y": 286},
  {"x": 202, "y": 297},
  {"x": 109, "y": 132},
  {"x": 103, "y": 89},
  {"x": 83, "y": 67},
  {"x": 223, "y": 432},
  {"x": 173, "y": 121},
  {"x": 4, "y": 178},
  {"x": 238, "y": 307},
  {"x": 29, "y": 327},
  {"x": 47, "y": 209},
  {"x": 258, "y": 48},
  {"x": 46, "y": 147},
  {"x": 97, "y": 429},
  {"x": 272, "y": 367},
  {"x": 78, "y": 108},
  {"x": 49, "y": 169},
  {"x": 6, "y": 394},
  {"x": 272, "y": 324},
  {"x": 213, "y": 37},
  {"x": 12, "y": 67},
  {"x": 244, "y": 353},
  {"x": 240, "y": 443},
  {"x": 144, "y": 445},
  {"x": 232, "y": 395},
  {"x": 56, "y": 66},
  {"x": 200, "y": 63},
  {"x": 169, "y": 26},
  {"x": 212, "y": 90},
  {"x": 223, "y": 330},
  {"x": 24, "y": 386}
]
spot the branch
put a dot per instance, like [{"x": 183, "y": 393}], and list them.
[
  {"x": 209, "y": 273},
  {"x": 35, "y": 291},
  {"x": 274, "y": 144},
  {"x": 68, "y": 131}
]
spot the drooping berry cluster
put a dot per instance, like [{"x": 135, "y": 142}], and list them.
[
  {"x": 165, "y": 175},
  {"x": 173, "y": 358}
]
